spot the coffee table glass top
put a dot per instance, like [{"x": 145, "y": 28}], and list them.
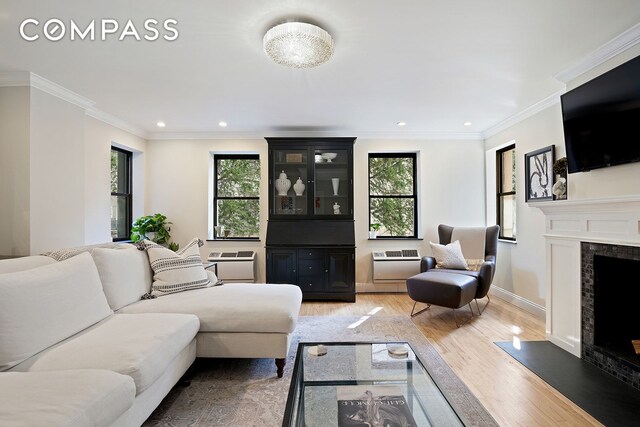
[{"x": 360, "y": 384}]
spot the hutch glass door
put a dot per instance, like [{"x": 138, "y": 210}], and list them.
[
  {"x": 290, "y": 180},
  {"x": 331, "y": 182}
]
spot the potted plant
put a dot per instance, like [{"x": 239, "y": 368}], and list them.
[
  {"x": 155, "y": 228},
  {"x": 374, "y": 228}
]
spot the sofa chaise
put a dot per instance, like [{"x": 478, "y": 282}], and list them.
[{"x": 78, "y": 330}]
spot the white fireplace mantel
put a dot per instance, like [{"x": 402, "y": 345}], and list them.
[{"x": 567, "y": 224}]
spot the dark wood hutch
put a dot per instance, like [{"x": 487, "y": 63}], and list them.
[{"x": 310, "y": 233}]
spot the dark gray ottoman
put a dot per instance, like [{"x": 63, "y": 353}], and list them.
[{"x": 445, "y": 289}]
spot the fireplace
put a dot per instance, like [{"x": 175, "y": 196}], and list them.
[{"x": 610, "y": 301}]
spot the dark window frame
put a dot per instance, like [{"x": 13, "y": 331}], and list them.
[
  {"x": 127, "y": 193},
  {"x": 217, "y": 157},
  {"x": 500, "y": 193},
  {"x": 414, "y": 158}
]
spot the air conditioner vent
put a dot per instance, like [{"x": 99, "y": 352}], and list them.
[{"x": 395, "y": 266}]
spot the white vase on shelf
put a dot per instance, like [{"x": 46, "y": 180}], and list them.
[
  {"x": 299, "y": 187},
  {"x": 283, "y": 184},
  {"x": 336, "y": 185}
]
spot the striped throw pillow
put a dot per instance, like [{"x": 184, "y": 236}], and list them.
[{"x": 176, "y": 271}]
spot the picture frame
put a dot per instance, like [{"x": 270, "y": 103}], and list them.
[{"x": 538, "y": 167}]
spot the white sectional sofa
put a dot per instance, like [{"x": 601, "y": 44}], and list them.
[{"x": 78, "y": 346}]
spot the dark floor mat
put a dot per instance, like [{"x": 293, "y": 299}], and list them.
[{"x": 605, "y": 398}]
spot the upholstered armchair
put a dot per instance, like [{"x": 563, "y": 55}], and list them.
[{"x": 456, "y": 287}]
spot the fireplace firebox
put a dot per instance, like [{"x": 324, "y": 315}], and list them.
[{"x": 610, "y": 300}]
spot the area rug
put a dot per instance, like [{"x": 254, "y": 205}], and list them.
[
  {"x": 246, "y": 392},
  {"x": 604, "y": 397}
]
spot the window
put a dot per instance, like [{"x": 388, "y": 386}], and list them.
[
  {"x": 506, "y": 196},
  {"x": 236, "y": 199},
  {"x": 121, "y": 195},
  {"x": 393, "y": 200}
]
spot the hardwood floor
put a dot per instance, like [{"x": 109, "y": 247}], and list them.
[{"x": 510, "y": 392}]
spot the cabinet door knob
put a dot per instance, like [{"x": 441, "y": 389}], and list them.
[
  {"x": 310, "y": 268},
  {"x": 294, "y": 271},
  {"x": 310, "y": 285},
  {"x": 326, "y": 271}
]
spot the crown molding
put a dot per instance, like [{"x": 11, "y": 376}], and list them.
[
  {"x": 543, "y": 104},
  {"x": 58, "y": 91},
  {"x": 15, "y": 78},
  {"x": 116, "y": 122},
  {"x": 25, "y": 78},
  {"x": 612, "y": 48},
  {"x": 225, "y": 135}
]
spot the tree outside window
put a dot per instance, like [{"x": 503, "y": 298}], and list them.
[
  {"x": 506, "y": 197},
  {"x": 393, "y": 200},
  {"x": 121, "y": 195},
  {"x": 237, "y": 195}
]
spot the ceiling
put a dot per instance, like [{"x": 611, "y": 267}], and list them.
[{"x": 432, "y": 64}]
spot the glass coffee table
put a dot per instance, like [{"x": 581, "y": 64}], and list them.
[{"x": 364, "y": 384}]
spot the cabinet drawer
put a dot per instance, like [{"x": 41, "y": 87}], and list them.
[
  {"x": 310, "y": 267},
  {"x": 317, "y": 254},
  {"x": 311, "y": 283}
]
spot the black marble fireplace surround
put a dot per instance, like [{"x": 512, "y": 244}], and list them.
[{"x": 611, "y": 308}]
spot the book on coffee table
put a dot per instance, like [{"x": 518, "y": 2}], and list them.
[{"x": 373, "y": 405}]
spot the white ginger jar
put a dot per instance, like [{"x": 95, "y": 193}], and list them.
[
  {"x": 283, "y": 184},
  {"x": 298, "y": 187}
]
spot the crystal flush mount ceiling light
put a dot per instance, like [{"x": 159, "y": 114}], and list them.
[{"x": 298, "y": 45}]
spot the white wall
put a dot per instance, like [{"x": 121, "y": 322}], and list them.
[
  {"x": 521, "y": 266},
  {"x": 451, "y": 186},
  {"x": 57, "y": 173},
  {"x": 178, "y": 187},
  {"x": 14, "y": 171},
  {"x": 99, "y": 137}
]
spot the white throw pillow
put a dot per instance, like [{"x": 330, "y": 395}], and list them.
[
  {"x": 449, "y": 256},
  {"x": 176, "y": 271},
  {"x": 45, "y": 305},
  {"x": 125, "y": 274}
]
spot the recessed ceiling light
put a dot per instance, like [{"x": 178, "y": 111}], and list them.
[
  {"x": 161, "y": 124},
  {"x": 222, "y": 124},
  {"x": 467, "y": 123},
  {"x": 401, "y": 124}
]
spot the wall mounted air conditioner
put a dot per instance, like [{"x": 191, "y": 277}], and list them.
[
  {"x": 234, "y": 266},
  {"x": 395, "y": 266}
]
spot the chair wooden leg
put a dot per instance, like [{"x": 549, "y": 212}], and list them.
[{"x": 418, "y": 312}]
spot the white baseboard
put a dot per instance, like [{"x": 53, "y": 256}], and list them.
[
  {"x": 382, "y": 287},
  {"x": 523, "y": 303}
]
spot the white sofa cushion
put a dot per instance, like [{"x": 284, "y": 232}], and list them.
[
  {"x": 176, "y": 271},
  {"x": 138, "y": 345},
  {"x": 236, "y": 307},
  {"x": 75, "y": 398},
  {"x": 25, "y": 263},
  {"x": 125, "y": 274},
  {"x": 45, "y": 305}
]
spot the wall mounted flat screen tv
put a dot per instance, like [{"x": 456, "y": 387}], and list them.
[{"x": 602, "y": 119}]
